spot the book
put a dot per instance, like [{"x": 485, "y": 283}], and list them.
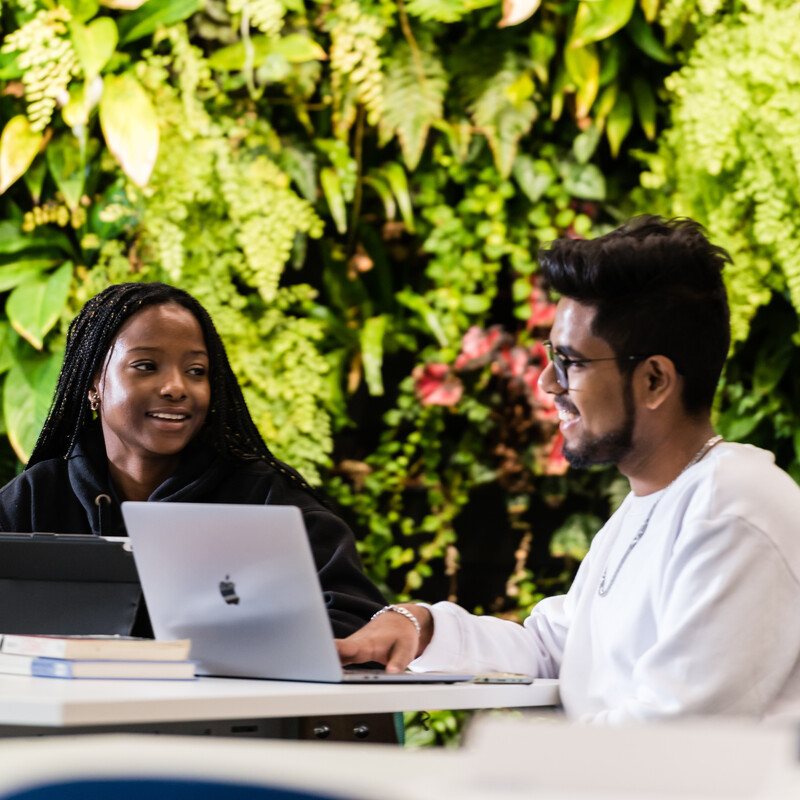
[
  {"x": 44, "y": 667},
  {"x": 104, "y": 648}
]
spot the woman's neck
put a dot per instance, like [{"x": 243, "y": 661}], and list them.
[{"x": 138, "y": 479}]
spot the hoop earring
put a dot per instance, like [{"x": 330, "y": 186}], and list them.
[{"x": 94, "y": 403}]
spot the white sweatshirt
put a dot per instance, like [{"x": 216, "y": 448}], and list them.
[{"x": 703, "y": 617}]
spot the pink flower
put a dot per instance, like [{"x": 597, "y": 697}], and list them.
[
  {"x": 511, "y": 361},
  {"x": 435, "y": 385},
  {"x": 477, "y": 346},
  {"x": 543, "y": 312}
]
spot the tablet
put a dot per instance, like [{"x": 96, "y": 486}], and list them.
[{"x": 67, "y": 584}]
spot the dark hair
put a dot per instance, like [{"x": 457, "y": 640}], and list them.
[
  {"x": 657, "y": 289},
  {"x": 229, "y": 427}
]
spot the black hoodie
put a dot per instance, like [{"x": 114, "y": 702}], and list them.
[{"x": 75, "y": 495}]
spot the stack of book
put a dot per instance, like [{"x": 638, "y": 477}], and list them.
[{"x": 117, "y": 657}]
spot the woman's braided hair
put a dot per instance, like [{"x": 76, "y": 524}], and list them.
[{"x": 229, "y": 427}]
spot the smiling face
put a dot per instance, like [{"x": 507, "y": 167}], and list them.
[
  {"x": 597, "y": 411},
  {"x": 153, "y": 388}
]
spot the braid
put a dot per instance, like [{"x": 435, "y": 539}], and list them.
[{"x": 230, "y": 427}]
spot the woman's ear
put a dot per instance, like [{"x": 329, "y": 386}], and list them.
[{"x": 657, "y": 381}]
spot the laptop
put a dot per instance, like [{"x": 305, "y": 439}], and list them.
[{"x": 240, "y": 582}]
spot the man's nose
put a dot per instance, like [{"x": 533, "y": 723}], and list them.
[{"x": 548, "y": 382}]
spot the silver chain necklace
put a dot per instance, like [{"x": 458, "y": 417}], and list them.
[{"x": 604, "y": 589}]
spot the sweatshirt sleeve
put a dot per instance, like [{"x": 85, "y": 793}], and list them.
[
  {"x": 726, "y": 644},
  {"x": 351, "y": 598},
  {"x": 469, "y": 643}
]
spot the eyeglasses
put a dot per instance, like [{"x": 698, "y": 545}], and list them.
[{"x": 561, "y": 364}]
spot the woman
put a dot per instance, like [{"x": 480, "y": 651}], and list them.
[{"x": 148, "y": 408}]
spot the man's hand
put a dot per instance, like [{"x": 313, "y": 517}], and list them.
[{"x": 389, "y": 639}]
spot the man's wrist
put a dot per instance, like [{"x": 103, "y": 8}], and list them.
[{"x": 425, "y": 620}]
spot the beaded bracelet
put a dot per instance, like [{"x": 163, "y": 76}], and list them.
[{"x": 399, "y": 610}]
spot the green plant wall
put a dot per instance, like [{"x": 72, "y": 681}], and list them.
[{"x": 357, "y": 192}]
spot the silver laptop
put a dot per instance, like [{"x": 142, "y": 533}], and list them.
[{"x": 240, "y": 582}]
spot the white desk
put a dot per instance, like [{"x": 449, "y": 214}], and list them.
[{"x": 47, "y": 702}]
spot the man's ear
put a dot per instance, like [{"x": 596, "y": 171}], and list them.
[{"x": 657, "y": 381}]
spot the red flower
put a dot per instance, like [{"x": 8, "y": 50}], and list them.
[
  {"x": 556, "y": 463},
  {"x": 543, "y": 312},
  {"x": 477, "y": 346},
  {"x": 435, "y": 385}
]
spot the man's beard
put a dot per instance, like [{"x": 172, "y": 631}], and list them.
[{"x": 610, "y": 448}]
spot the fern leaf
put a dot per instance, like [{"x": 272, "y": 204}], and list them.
[
  {"x": 496, "y": 105},
  {"x": 414, "y": 90}
]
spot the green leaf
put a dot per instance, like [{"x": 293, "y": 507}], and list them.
[
  {"x": 18, "y": 147},
  {"x": 586, "y": 143},
  {"x": 130, "y": 125},
  {"x": 296, "y": 48},
  {"x": 27, "y": 395},
  {"x": 489, "y": 93},
  {"x": 14, "y": 240},
  {"x": 532, "y": 179},
  {"x": 81, "y": 10},
  {"x": 619, "y": 122},
  {"x": 585, "y": 181},
  {"x": 396, "y": 176},
  {"x": 583, "y": 66},
  {"x": 35, "y": 306},
  {"x": 7, "y": 350},
  {"x": 301, "y": 166},
  {"x": 384, "y": 192},
  {"x": 94, "y": 44},
  {"x": 542, "y": 49},
  {"x": 34, "y": 178},
  {"x": 418, "y": 304},
  {"x": 154, "y": 14},
  {"x": 67, "y": 168},
  {"x": 599, "y": 19},
  {"x": 645, "y": 106},
  {"x": 650, "y": 9},
  {"x": 475, "y": 303},
  {"x": 333, "y": 194},
  {"x": 414, "y": 91},
  {"x": 644, "y": 38},
  {"x": 444, "y": 10},
  {"x": 372, "y": 353},
  {"x": 12, "y": 275}
]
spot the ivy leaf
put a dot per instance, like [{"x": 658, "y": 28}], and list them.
[
  {"x": 81, "y": 10},
  {"x": 35, "y": 306},
  {"x": 598, "y": 19},
  {"x": 384, "y": 192},
  {"x": 18, "y": 147},
  {"x": 67, "y": 168},
  {"x": 532, "y": 179},
  {"x": 542, "y": 49},
  {"x": 414, "y": 89},
  {"x": 153, "y": 14},
  {"x": 372, "y": 353},
  {"x": 130, "y": 126},
  {"x": 488, "y": 94},
  {"x": 586, "y": 143},
  {"x": 7, "y": 338},
  {"x": 333, "y": 194},
  {"x": 584, "y": 181},
  {"x": 27, "y": 394},
  {"x": 295, "y": 48},
  {"x": 620, "y": 119}
]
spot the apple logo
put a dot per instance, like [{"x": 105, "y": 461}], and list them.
[{"x": 227, "y": 589}]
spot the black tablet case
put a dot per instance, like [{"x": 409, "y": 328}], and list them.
[{"x": 67, "y": 585}]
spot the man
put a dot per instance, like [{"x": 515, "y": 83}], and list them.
[{"x": 688, "y": 601}]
